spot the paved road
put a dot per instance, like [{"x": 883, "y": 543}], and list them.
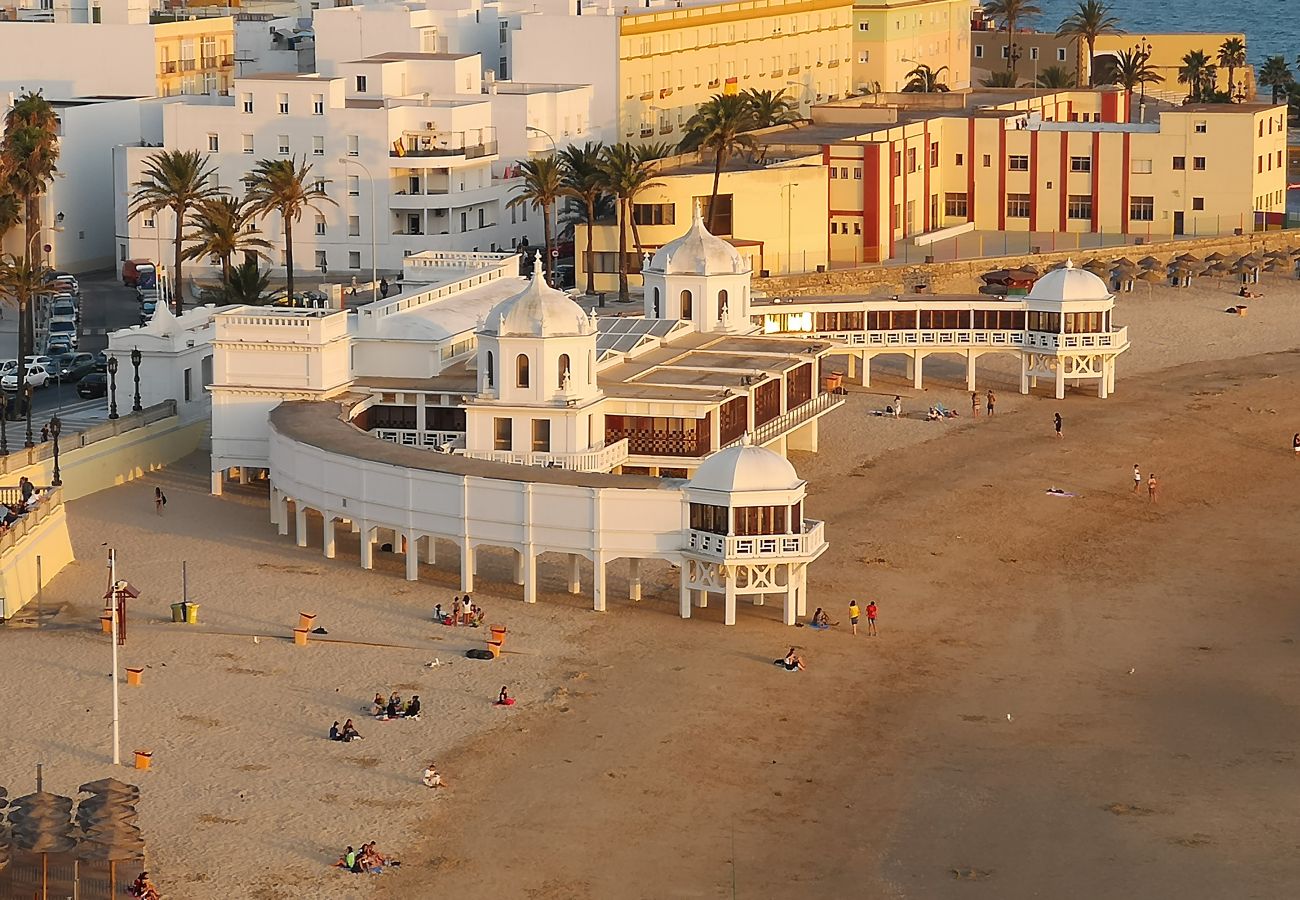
[{"x": 105, "y": 306}]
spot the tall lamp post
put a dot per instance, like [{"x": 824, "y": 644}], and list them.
[
  {"x": 56, "y": 426},
  {"x": 135, "y": 361},
  {"x": 549, "y": 267},
  {"x": 112, "y": 387},
  {"x": 1144, "y": 54},
  {"x": 27, "y": 398},
  {"x": 374, "y": 269}
]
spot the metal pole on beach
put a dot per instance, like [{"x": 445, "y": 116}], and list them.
[
  {"x": 39, "y": 605},
  {"x": 112, "y": 590}
]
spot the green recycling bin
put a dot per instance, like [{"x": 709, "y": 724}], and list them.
[
  {"x": 192, "y": 613},
  {"x": 178, "y": 612}
]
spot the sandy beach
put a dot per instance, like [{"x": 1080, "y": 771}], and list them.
[{"x": 1087, "y": 696}]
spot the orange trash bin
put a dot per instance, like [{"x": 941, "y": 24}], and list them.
[
  {"x": 498, "y": 634},
  {"x": 307, "y": 620},
  {"x": 143, "y": 759},
  {"x": 300, "y": 636},
  {"x": 106, "y": 624},
  {"x": 134, "y": 676}
]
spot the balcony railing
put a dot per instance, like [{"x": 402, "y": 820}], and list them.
[
  {"x": 1104, "y": 340},
  {"x": 791, "y": 419},
  {"x": 602, "y": 459},
  {"x": 760, "y": 546},
  {"x": 427, "y": 144},
  {"x": 27, "y": 456},
  {"x": 434, "y": 440},
  {"x": 169, "y": 66}
]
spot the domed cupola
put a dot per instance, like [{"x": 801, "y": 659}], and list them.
[
  {"x": 1068, "y": 283},
  {"x": 538, "y": 311},
  {"x": 699, "y": 278}
]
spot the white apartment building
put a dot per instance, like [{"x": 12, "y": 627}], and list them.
[
  {"x": 84, "y": 12},
  {"x": 404, "y": 143}
]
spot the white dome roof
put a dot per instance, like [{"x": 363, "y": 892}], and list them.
[
  {"x": 1070, "y": 283},
  {"x": 698, "y": 253},
  {"x": 746, "y": 468},
  {"x": 538, "y": 311}
]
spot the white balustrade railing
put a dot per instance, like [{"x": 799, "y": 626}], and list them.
[
  {"x": 407, "y": 437},
  {"x": 960, "y": 339},
  {"x": 602, "y": 459},
  {"x": 761, "y": 546},
  {"x": 790, "y": 419}
]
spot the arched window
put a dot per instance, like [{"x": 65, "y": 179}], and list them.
[
  {"x": 686, "y": 304},
  {"x": 521, "y": 371},
  {"x": 655, "y": 308},
  {"x": 722, "y": 305},
  {"x": 564, "y": 370},
  {"x": 491, "y": 370}
]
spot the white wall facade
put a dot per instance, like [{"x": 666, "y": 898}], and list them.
[{"x": 69, "y": 60}]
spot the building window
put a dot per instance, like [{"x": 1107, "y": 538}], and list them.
[
  {"x": 1202, "y": 127},
  {"x": 1198, "y": 204},
  {"x": 720, "y": 223},
  {"x": 283, "y": 143},
  {"x": 1198, "y": 163},
  {"x": 988, "y": 160},
  {"x": 1018, "y": 163},
  {"x": 979, "y": 51},
  {"x": 318, "y": 145},
  {"x": 354, "y": 145},
  {"x": 934, "y": 153},
  {"x": 959, "y": 159},
  {"x": 320, "y": 224},
  {"x": 321, "y": 262},
  {"x": 1060, "y": 54},
  {"x": 1140, "y": 167},
  {"x": 955, "y": 205},
  {"x": 318, "y": 104},
  {"x": 213, "y": 143},
  {"x": 911, "y": 159},
  {"x": 361, "y": 84},
  {"x": 1017, "y": 206},
  {"x": 146, "y": 220},
  {"x": 490, "y": 374},
  {"x": 186, "y": 385},
  {"x": 354, "y": 185},
  {"x": 654, "y": 213},
  {"x": 1080, "y": 163},
  {"x": 501, "y": 436},
  {"x": 857, "y": 173},
  {"x": 1078, "y": 206},
  {"x": 354, "y": 226},
  {"x": 1033, "y": 53},
  {"x": 248, "y": 143},
  {"x": 1142, "y": 209},
  {"x": 354, "y": 259},
  {"x": 1180, "y": 163},
  {"x": 521, "y": 370},
  {"x": 248, "y": 103},
  {"x": 541, "y": 435},
  {"x": 686, "y": 304},
  {"x": 563, "y": 370},
  {"x": 863, "y": 56},
  {"x": 864, "y": 26},
  {"x": 282, "y": 103}
]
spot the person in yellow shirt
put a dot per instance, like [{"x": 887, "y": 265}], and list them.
[{"x": 854, "y": 613}]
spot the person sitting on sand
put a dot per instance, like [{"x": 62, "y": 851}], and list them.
[
  {"x": 437, "y": 614},
  {"x": 413, "y": 708},
  {"x": 792, "y": 662},
  {"x": 369, "y": 861},
  {"x": 478, "y": 616},
  {"x": 393, "y": 708},
  {"x": 348, "y": 860},
  {"x": 350, "y": 732},
  {"x": 335, "y": 734},
  {"x": 378, "y": 704},
  {"x": 821, "y": 619},
  {"x": 431, "y": 777},
  {"x": 143, "y": 888},
  {"x": 504, "y": 698}
]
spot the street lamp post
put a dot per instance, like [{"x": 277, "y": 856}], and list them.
[
  {"x": 135, "y": 361},
  {"x": 1144, "y": 53},
  {"x": 112, "y": 387},
  {"x": 550, "y": 262},
  {"x": 4, "y": 424},
  {"x": 27, "y": 396},
  {"x": 56, "y": 426},
  {"x": 374, "y": 265}
]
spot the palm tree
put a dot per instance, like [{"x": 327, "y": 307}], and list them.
[
  {"x": 1232, "y": 56},
  {"x": 1275, "y": 73},
  {"x": 1090, "y": 19},
  {"x": 1193, "y": 74},
  {"x": 1133, "y": 69},
  {"x": 1003, "y": 79},
  {"x": 224, "y": 226},
  {"x": 542, "y": 186},
  {"x": 625, "y": 175},
  {"x": 1056, "y": 77},
  {"x": 924, "y": 80},
  {"x": 248, "y": 284},
  {"x": 178, "y": 180},
  {"x": 1011, "y": 12},
  {"x": 283, "y": 186},
  {"x": 22, "y": 279},
  {"x": 11, "y": 213},
  {"x": 583, "y": 181},
  {"x": 719, "y": 125},
  {"x": 31, "y": 149},
  {"x": 770, "y": 108}
]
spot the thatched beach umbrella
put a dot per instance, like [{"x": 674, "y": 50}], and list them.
[
  {"x": 1214, "y": 257},
  {"x": 1219, "y": 269},
  {"x": 1277, "y": 253},
  {"x": 1097, "y": 267},
  {"x": 1152, "y": 277},
  {"x": 1189, "y": 258},
  {"x": 109, "y": 786},
  {"x": 1125, "y": 262},
  {"x": 1150, "y": 262}
]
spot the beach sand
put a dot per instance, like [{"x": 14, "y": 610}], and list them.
[{"x": 991, "y": 742}]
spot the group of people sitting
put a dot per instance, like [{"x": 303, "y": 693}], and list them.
[
  {"x": 30, "y": 496},
  {"x": 463, "y": 612},
  {"x": 820, "y": 619},
  {"x": 367, "y": 859},
  {"x": 393, "y": 708},
  {"x": 143, "y": 888},
  {"x": 347, "y": 733},
  {"x": 939, "y": 412}
]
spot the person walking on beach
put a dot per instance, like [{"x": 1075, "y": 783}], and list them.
[
  {"x": 871, "y": 619},
  {"x": 1137, "y": 478},
  {"x": 159, "y": 500},
  {"x": 898, "y": 406},
  {"x": 1056, "y": 419},
  {"x": 989, "y": 400},
  {"x": 974, "y": 405},
  {"x": 1153, "y": 488},
  {"x": 854, "y": 615}
]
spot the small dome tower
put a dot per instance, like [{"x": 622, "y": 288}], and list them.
[{"x": 699, "y": 278}]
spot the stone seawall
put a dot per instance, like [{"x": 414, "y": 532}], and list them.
[{"x": 962, "y": 276}]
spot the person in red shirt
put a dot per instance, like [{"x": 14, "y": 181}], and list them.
[{"x": 871, "y": 618}]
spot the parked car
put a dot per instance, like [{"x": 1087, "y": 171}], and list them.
[
  {"x": 63, "y": 328},
  {"x": 57, "y": 347},
  {"x": 93, "y": 385},
  {"x": 72, "y": 367},
  {"x": 68, "y": 284},
  {"x": 131, "y": 271},
  {"x": 37, "y": 376},
  {"x": 101, "y": 360},
  {"x": 11, "y": 365},
  {"x": 64, "y": 309}
]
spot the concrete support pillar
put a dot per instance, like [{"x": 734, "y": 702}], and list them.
[
  {"x": 729, "y": 611},
  {"x": 1101, "y": 382},
  {"x": 218, "y": 479},
  {"x": 282, "y": 514},
  {"x": 918, "y": 370},
  {"x": 367, "y": 546},
  {"x": 1110, "y": 375},
  {"x": 327, "y": 536},
  {"x": 634, "y": 579},
  {"x": 909, "y": 366},
  {"x": 466, "y": 566},
  {"x": 801, "y": 604},
  {"x": 530, "y": 575},
  {"x": 791, "y": 582},
  {"x": 684, "y": 594},
  {"x": 412, "y": 541},
  {"x": 300, "y": 524},
  {"x": 519, "y": 567},
  {"x": 575, "y": 574},
  {"x": 701, "y": 599},
  {"x": 1024, "y": 373},
  {"x": 598, "y": 583},
  {"x": 970, "y": 370},
  {"x": 758, "y": 599},
  {"x": 1060, "y": 379},
  {"x": 853, "y": 365},
  {"x": 866, "y": 370},
  {"x": 243, "y": 475},
  {"x": 355, "y": 526},
  {"x": 430, "y": 549}
]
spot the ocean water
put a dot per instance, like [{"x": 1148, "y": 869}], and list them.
[{"x": 1272, "y": 27}]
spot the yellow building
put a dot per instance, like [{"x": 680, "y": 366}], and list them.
[
  {"x": 195, "y": 56},
  {"x": 864, "y": 183},
  {"x": 893, "y": 37},
  {"x": 1167, "y": 52}
]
